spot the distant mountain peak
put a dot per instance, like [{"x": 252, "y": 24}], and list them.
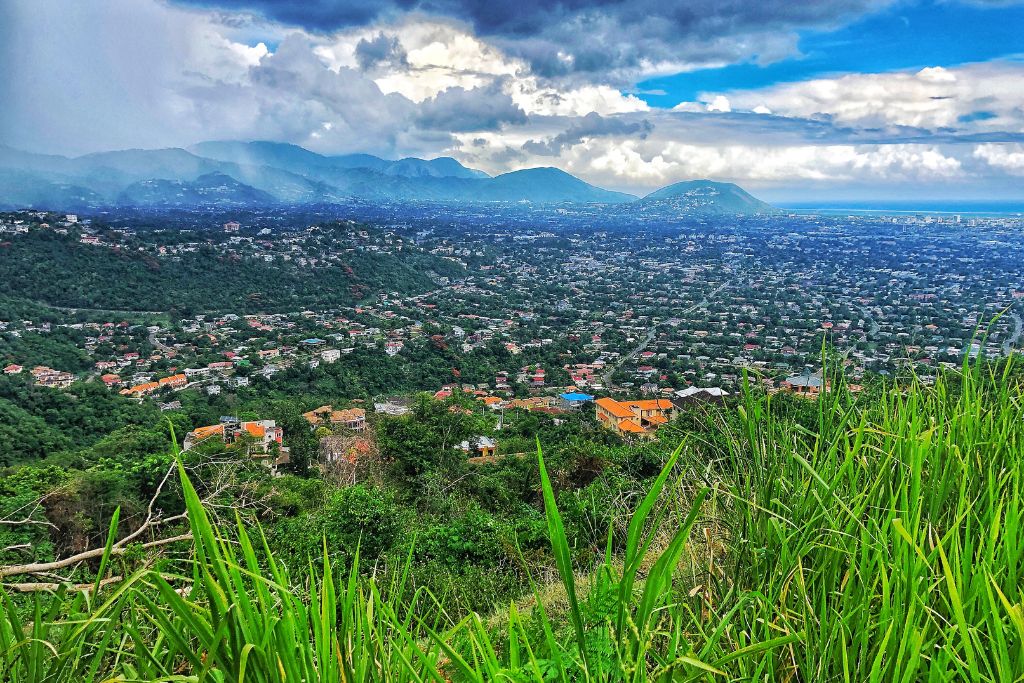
[
  {"x": 705, "y": 197},
  {"x": 263, "y": 172}
]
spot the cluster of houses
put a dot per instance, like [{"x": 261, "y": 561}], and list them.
[
  {"x": 44, "y": 376},
  {"x": 174, "y": 382}
]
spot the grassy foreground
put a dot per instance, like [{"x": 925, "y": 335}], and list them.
[{"x": 882, "y": 543}]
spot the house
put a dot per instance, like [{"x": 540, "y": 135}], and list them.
[
  {"x": 393, "y": 407},
  {"x": 806, "y": 385},
  {"x": 201, "y": 434},
  {"x": 634, "y": 419},
  {"x": 111, "y": 380},
  {"x": 351, "y": 418},
  {"x": 174, "y": 381},
  {"x": 262, "y": 439},
  {"x": 140, "y": 390},
  {"x": 493, "y": 402},
  {"x": 479, "y": 446},
  {"x": 55, "y": 379},
  {"x": 13, "y": 369},
  {"x": 575, "y": 400},
  {"x": 330, "y": 355},
  {"x": 232, "y": 226},
  {"x": 691, "y": 395}
]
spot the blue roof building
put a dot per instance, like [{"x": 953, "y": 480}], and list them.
[{"x": 575, "y": 399}]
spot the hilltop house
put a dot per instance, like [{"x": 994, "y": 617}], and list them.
[
  {"x": 351, "y": 418},
  {"x": 806, "y": 385},
  {"x": 48, "y": 377},
  {"x": 634, "y": 419},
  {"x": 575, "y": 400},
  {"x": 394, "y": 407},
  {"x": 691, "y": 395},
  {"x": 262, "y": 439},
  {"x": 479, "y": 446}
]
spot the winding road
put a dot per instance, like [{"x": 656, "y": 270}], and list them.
[
  {"x": 158, "y": 344},
  {"x": 606, "y": 376}
]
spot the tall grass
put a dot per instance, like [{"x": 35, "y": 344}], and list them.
[{"x": 883, "y": 544}]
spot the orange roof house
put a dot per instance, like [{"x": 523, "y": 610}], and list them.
[
  {"x": 255, "y": 429},
  {"x": 630, "y": 419},
  {"x": 174, "y": 381},
  {"x": 353, "y": 418},
  {"x": 206, "y": 432},
  {"x": 263, "y": 442},
  {"x": 143, "y": 389}
]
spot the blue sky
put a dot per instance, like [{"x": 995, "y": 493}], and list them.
[
  {"x": 796, "y": 101},
  {"x": 908, "y": 35}
]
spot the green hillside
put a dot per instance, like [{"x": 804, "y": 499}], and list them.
[{"x": 856, "y": 537}]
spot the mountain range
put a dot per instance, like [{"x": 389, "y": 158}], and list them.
[{"x": 253, "y": 174}]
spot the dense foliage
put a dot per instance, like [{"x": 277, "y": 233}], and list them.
[
  {"x": 844, "y": 539},
  {"x": 58, "y": 270}
]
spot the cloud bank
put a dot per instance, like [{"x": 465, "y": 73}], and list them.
[{"x": 504, "y": 86}]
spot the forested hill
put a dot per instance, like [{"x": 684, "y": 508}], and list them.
[{"x": 58, "y": 270}]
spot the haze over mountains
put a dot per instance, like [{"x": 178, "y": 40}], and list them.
[{"x": 256, "y": 174}]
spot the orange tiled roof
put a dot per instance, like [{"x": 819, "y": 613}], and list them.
[
  {"x": 348, "y": 414},
  {"x": 632, "y": 427},
  {"x": 614, "y": 407},
  {"x": 255, "y": 429},
  {"x": 314, "y": 416},
  {"x": 657, "y": 419},
  {"x": 203, "y": 432},
  {"x": 652, "y": 404}
]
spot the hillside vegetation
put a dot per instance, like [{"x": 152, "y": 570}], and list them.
[
  {"x": 856, "y": 540},
  {"x": 59, "y": 271}
]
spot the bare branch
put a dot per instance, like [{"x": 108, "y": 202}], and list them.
[
  {"x": 40, "y": 567},
  {"x": 34, "y": 587},
  {"x": 36, "y": 504}
]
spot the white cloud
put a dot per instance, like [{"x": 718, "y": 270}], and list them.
[
  {"x": 148, "y": 74},
  {"x": 719, "y": 103},
  {"x": 1005, "y": 157},
  {"x": 438, "y": 56},
  {"x": 974, "y": 97}
]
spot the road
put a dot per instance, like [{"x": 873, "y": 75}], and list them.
[
  {"x": 875, "y": 327},
  {"x": 159, "y": 344},
  {"x": 606, "y": 377},
  {"x": 68, "y": 309}
]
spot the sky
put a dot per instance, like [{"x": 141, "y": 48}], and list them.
[{"x": 825, "y": 100}]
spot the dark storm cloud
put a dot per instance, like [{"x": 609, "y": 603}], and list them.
[
  {"x": 381, "y": 50},
  {"x": 457, "y": 109},
  {"x": 591, "y": 36},
  {"x": 592, "y": 125}
]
